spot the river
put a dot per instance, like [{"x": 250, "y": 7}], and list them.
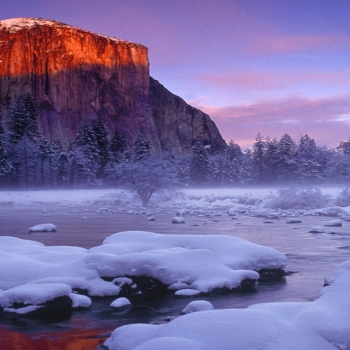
[{"x": 311, "y": 257}]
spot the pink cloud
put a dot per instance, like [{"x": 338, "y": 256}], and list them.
[
  {"x": 327, "y": 120},
  {"x": 297, "y": 43},
  {"x": 274, "y": 80}
]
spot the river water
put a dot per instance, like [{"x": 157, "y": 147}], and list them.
[{"x": 311, "y": 258}]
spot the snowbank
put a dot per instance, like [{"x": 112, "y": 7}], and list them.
[
  {"x": 322, "y": 324},
  {"x": 191, "y": 262},
  {"x": 202, "y": 263}
]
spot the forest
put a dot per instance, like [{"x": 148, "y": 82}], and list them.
[{"x": 30, "y": 161}]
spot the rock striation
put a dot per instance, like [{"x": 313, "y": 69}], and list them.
[{"x": 74, "y": 74}]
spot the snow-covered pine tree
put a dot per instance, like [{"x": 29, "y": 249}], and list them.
[
  {"x": 22, "y": 119},
  {"x": 271, "y": 159},
  {"x": 247, "y": 173},
  {"x": 86, "y": 153},
  {"x": 199, "y": 164},
  {"x": 287, "y": 164},
  {"x": 43, "y": 149},
  {"x": 102, "y": 145},
  {"x": 258, "y": 157},
  {"x": 6, "y": 167},
  {"x": 63, "y": 169},
  {"x": 308, "y": 158},
  {"x": 231, "y": 164},
  {"x": 141, "y": 146},
  {"x": 26, "y": 161},
  {"x": 117, "y": 146},
  {"x": 2, "y": 130}
]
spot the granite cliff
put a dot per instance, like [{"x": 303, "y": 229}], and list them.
[{"x": 74, "y": 74}]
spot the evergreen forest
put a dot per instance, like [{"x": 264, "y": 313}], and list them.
[{"x": 30, "y": 161}]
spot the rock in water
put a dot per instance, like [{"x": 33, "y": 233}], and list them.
[{"x": 74, "y": 75}]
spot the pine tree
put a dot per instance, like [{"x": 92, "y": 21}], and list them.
[
  {"x": 86, "y": 153},
  {"x": 141, "y": 146},
  {"x": 247, "y": 169},
  {"x": 271, "y": 159},
  {"x": 43, "y": 150},
  {"x": 102, "y": 145},
  {"x": 231, "y": 164},
  {"x": 2, "y": 131},
  {"x": 63, "y": 167},
  {"x": 22, "y": 119},
  {"x": 258, "y": 157},
  {"x": 117, "y": 146},
  {"x": 287, "y": 165},
  {"x": 26, "y": 161},
  {"x": 199, "y": 164},
  {"x": 6, "y": 167}
]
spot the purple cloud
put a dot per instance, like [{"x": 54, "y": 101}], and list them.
[{"x": 327, "y": 120}]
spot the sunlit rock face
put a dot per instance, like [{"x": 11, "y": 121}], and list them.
[{"x": 74, "y": 74}]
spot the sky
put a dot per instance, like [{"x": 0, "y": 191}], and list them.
[{"x": 268, "y": 66}]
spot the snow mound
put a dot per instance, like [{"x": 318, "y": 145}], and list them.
[
  {"x": 187, "y": 263},
  {"x": 322, "y": 324},
  {"x": 33, "y": 294},
  {"x": 43, "y": 228},
  {"x": 317, "y": 229},
  {"x": 120, "y": 303},
  {"x": 80, "y": 301},
  {"x": 336, "y": 223},
  {"x": 198, "y": 305}
]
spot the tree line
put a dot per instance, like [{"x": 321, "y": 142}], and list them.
[{"x": 28, "y": 160}]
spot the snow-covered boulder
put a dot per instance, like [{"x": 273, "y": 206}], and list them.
[
  {"x": 80, "y": 301},
  {"x": 202, "y": 263},
  {"x": 332, "y": 211},
  {"x": 336, "y": 223},
  {"x": 198, "y": 305},
  {"x": 293, "y": 221},
  {"x": 187, "y": 292},
  {"x": 37, "y": 300},
  {"x": 232, "y": 211},
  {"x": 178, "y": 220},
  {"x": 43, "y": 228},
  {"x": 120, "y": 304},
  {"x": 317, "y": 229}
]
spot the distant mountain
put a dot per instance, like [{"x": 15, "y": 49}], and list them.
[{"x": 74, "y": 75}]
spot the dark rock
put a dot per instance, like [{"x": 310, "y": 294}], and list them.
[
  {"x": 53, "y": 310},
  {"x": 271, "y": 274},
  {"x": 143, "y": 287}
]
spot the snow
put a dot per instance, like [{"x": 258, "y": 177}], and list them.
[
  {"x": 16, "y": 24},
  {"x": 43, "y": 228},
  {"x": 201, "y": 262},
  {"x": 80, "y": 301},
  {"x": 186, "y": 292},
  {"x": 317, "y": 229},
  {"x": 333, "y": 223},
  {"x": 192, "y": 264},
  {"x": 178, "y": 220},
  {"x": 120, "y": 303},
  {"x": 322, "y": 324},
  {"x": 198, "y": 305},
  {"x": 33, "y": 294}
]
